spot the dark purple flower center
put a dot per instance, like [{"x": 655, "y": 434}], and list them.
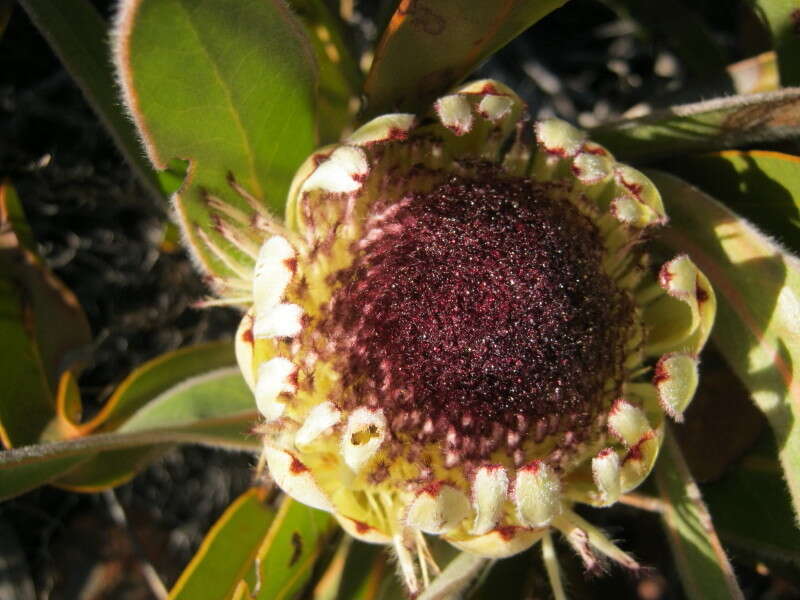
[{"x": 482, "y": 302}]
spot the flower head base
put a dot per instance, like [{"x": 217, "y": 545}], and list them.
[{"x": 456, "y": 331}]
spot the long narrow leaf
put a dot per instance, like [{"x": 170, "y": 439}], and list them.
[
  {"x": 227, "y": 552},
  {"x": 782, "y": 17},
  {"x": 230, "y": 87},
  {"x": 42, "y": 327},
  {"x": 752, "y": 511},
  {"x": 428, "y": 47},
  {"x": 289, "y": 551},
  {"x": 456, "y": 577},
  {"x": 702, "y": 564},
  {"x": 757, "y": 284},
  {"x": 762, "y": 186},
  {"x": 369, "y": 575},
  {"x": 705, "y": 126}
]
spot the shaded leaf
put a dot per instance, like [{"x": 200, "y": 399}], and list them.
[
  {"x": 43, "y": 328},
  {"x": 227, "y": 551},
  {"x": 721, "y": 416},
  {"x": 782, "y": 17},
  {"x": 340, "y": 78},
  {"x": 288, "y": 553},
  {"x": 370, "y": 575},
  {"x": 20, "y": 477},
  {"x": 231, "y": 89},
  {"x": 456, "y": 577},
  {"x": 702, "y": 564},
  {"x": 429, "y": 46},
  {"x": 752, "y": 510},
  {"x": 79, "y": 36},
  {"x": 712, "y": 125},
  {"x": 682, "y": 29},
  {"x": 757, "y": 285},
  {"x": 762, "y": 186},
  {"x": 330, "y": 582}
]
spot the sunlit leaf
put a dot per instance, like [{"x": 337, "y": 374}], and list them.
[
  {"x": 214, "y": 409},
  {"x": 154, "y": 378},
  {"x": 782, "y": 17},
  {"x": 757, "y": 285},
  {"x": 704, "y": 126},
  {"x": 755, "y": 74},
  {"x": 288, "y": 552},
  {"x": 428, "y": 47},
  {"x": 704, "y": 568},
  {"x": 79, "y": 35},
  {"x": 762, "y": 186},
  {"x": 218, "y": 403},
  {"x": 230, "y": 87},
  {"x": 752, "y": 510},
  {"x": 227, "y": 552},
  {"x": 43, "y": 328},
  {"x": 28, "y": 467}
]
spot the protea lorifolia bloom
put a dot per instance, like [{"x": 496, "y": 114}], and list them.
[{"x": 456, "y": 330}]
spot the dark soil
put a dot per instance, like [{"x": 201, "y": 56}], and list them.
[{"x": 104, "y": 236}]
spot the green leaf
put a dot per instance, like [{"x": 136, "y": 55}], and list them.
[
  {"x": 370, "y": 575},
  {"x": 330, "y": 582},
  {"x": 218, "y": 404},
  {"x": 213, "y": 394},
  {"x": 340, "y": 78},
  {"x": 227, "y": 552},
  {"x": 757, "y": 285},
  {"x": 43, "y": 328},
  {"x": 231, "y": 89},
  {"x": 288, "y": 553},
  {"x": 721, "y": 416},
  {"x": 28, "y": 467},
  {"x": 752, "y": 510},
  {"x": 79, "y": 37},
  {"x": 428, "y": 47},
  {"x": 702, "y": 564},
  {"x": 456, "y": 577},
  {"x": 782, "y": 17},
  {"x": 762, "y": 186},
  {"x": 704, "y": 126},
  {"x": 214, "y": 409},
  {"x": 156, "y": 377}
]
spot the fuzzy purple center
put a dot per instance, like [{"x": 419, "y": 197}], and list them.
[{"x": 481, "y": 302}]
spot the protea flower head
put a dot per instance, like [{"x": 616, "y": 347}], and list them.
[{"x": 456, "y": 331}]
